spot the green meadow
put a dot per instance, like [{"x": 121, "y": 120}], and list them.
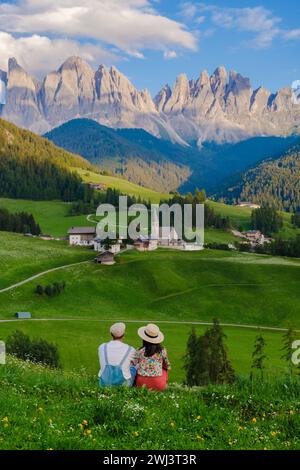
[
  {"x": 165, "y": 286},
  {"x": 53, "y": 216},
  {"x": 50, "y": 410},
  {"x": 122, "y": 185}
]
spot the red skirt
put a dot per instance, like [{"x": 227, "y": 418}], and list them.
[{"x": 153, "y": 383}]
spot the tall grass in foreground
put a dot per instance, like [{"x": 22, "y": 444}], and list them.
[{"x": 45, "y": 409}]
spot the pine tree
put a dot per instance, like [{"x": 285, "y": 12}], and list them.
[
  {"x": 207, "y": 360},
  {"x": 221, "y": 370},
  {"x": 190, "y": 359},
  {"x": 258, "y": 356}
]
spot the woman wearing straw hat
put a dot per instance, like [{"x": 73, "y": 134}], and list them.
[{"x": 151, "y": 359}]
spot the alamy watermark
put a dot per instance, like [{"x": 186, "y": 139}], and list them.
[
  {"x": 296, "y": 92},
  {"x": 138, "y": 220},
  {"x": 296, "y": 353},
  {"x": 2, "y": 353}
]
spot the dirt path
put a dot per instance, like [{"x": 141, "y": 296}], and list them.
[
  {"x": 167, "y": 322},
  {"x": 31, "y": 278}
]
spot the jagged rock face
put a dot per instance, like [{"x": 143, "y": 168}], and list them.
[
  {"x": 22, "y": 106},
  {"x": 227, "y": 110},
  {"x": 221, "y": 107}
]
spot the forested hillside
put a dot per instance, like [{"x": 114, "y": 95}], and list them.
[
  {"x": 32, "y": 167},
  {"x": 132, "y": 153},
  {"x": 273, "y": 181},
  {"x": 158, "y": 164}
]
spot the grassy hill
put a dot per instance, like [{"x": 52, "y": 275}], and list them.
[
  {"x": 43, "y": 409},
  {"x": 53, "y": 216},
  {"x": 22, "y": 257},
  {"x": 170, "y": 287},
  {"x": 122, "y": 185}
]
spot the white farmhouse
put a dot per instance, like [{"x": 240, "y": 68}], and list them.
[{"x": 82, "y": 236}]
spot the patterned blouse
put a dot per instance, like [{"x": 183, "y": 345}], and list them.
[{"x": 151, "y": 366}]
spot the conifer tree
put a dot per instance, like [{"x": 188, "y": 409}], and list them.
[{"x": 258, "y": 356}]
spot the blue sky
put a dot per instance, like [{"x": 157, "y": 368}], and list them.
[{"x": 152, "y": 41}]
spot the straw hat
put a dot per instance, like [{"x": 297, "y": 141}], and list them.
[{"x": 151, "y": 333}]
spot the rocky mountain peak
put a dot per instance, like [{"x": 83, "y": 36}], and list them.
[
  {"x": 220, "y": 108},
  {"x": 218, "y": 81},
  {"x": 238, "y": 83},
  {"x": 13, "y": 65}
]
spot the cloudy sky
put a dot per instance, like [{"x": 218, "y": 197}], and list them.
[{"x": 152, "y": 41}]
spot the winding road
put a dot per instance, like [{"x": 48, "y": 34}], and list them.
[{"x": 31, "y": 278}]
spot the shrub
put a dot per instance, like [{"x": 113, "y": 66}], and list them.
[
  {"x": 35, "y": 350},
  {"x": 39, "y": 289}
]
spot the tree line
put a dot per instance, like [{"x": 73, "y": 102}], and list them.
[
  {"x": 207, "y": 361},
  {"x": 21, "y": 222}
]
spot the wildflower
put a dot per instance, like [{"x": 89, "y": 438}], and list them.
[
  {"x": 241, "y": 428},
  {"x": 287, "y": 443},
  {"x": 291, "y": 412},
  {"x": 200, "y": 438},
  {"x": 5, "y": 419},
  {"x": 87, "y": 432},
  {"x": 172, "y": 424},
  {"x": 199, "y": 418},
  {"x": 253, "y": 420},
  {"x": 85, "y": 422},
  {"x": 274, "y": 433},
  {"x": 80, "y": 426},
  {"x": 40, "y": 409},
  {"x": 50, "y": 448},
  {"x": 135, "y": 434}
]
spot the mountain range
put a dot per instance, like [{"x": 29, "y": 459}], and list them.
[
  {"x": 222, "y": 108},
  {"x": 160, "y": 164}
]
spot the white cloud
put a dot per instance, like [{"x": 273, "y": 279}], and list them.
[
  {"x": 257, "y": 20},
  {"x": 131, "y": 26},
  {"x": 170, "y": 54},
  {"x": 293, "y": 34},
  {"x": 39, "y": 54}
]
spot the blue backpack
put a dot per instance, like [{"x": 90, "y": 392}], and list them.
[{"x": 113, "y": 375}]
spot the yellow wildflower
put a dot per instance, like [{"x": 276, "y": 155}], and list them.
[
  {"x": 88, "y": 432},
  {"x": 5, "y": 419},
  {"x": 80, "y": 425},
  {"x": 40, "y": 409},
  {"x": 200, "y": 438},
  {"x": 135, "y": 434},
  {"x": 85, "y": 422},
  {"x": 172, "y": 424},
  {"x": 253, "y": 420},
  {"x": 273, "y": 433},
  {"x": 240, "y": 428},
  {"x": 199, "y": 418}
]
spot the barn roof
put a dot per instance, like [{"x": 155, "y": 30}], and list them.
[{"x": 82, "y": 231}]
